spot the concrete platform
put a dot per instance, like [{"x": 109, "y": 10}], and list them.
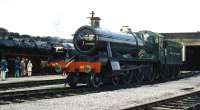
[{"x": 32, "y": 78}]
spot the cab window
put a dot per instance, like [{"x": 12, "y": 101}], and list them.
[{"x": 148, "y": 38}]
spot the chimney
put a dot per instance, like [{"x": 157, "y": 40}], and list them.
[{"x": 94, "y": 20}]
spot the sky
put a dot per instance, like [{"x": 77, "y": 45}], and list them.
[{"x": 63, "y": 17}]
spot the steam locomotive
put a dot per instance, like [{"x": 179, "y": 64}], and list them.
[
  {"x": 100, "y": 56},
  {"x": 21, "y": 44},
  {"x": 38, "y": 49}
]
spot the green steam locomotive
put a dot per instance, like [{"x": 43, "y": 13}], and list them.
[{"x": 120, "y": 57}]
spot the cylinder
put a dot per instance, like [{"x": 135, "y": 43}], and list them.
[{"x": 88, "y": 39}]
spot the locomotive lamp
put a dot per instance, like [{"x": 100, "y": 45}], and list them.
[
  {"x": 125, "y": 29},
  {"x": 58, "y": 68},
  {"x": 85, "y": 68}
]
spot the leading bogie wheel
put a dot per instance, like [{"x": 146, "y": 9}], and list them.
[
  {"x": 72, "y": 79},
  {"x": 95, "y": 80},
  {"x": 115, "y": 80}
]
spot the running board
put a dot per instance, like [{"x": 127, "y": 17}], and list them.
[{"x": 120, "y": 72}]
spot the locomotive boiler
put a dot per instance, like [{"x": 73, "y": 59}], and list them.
[{"x": 90, "y": 40}]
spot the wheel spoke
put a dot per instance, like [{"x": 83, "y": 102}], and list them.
[
  {"x": 150, "y": 74},
  {"x": 115, "y": 80},
  {"x": 72, "y": 79},
  {"x": 139, "y": 75},
  {"x": 95, "y": 80},
  {"x": 165, "y": 74},
  {"x": 127, "y": 78}
]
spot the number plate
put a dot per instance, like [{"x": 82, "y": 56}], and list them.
[{"x": 115, "y": 65}]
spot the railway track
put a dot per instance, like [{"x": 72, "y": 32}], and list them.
[
  {"x": 189, "y": 101},
  {"x": 53, "y": 91},
  {"x": 30, "y": 93},
  {"x": 34, "y": 93}
]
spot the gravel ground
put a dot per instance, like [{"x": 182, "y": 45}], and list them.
[{"x": 117, "y": 99}]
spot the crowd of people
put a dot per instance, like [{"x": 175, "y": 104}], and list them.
[{"x": 22, "y": 68}]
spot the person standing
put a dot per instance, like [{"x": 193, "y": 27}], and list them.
[
  {"x": 29, "y": 68},
  {"x": 23, "y": 67},
  {"x": 17, "y": 67},
  {"x": 4, "y": 68}
]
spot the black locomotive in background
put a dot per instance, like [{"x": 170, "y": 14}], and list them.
[{"x": 37, "y": 49}]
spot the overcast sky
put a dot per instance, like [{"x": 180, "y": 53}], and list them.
[{"x": 62, "y": 17}]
